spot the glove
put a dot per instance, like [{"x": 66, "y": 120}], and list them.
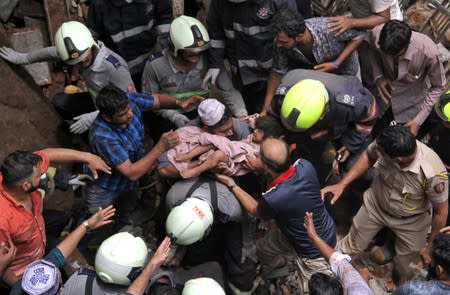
[
  {"x": 83, "y": 122},
  {"x": 180, "y": 120},
  {"x": 78, "y": 180},
  {"x": 211, "y": 74},
  {"x": 13, "y": 56}
]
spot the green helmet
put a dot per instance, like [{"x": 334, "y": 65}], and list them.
[
  {"x": 303, "y": 105},
  {"x": 190, "y": 221},
  {"x": 120, "y": 258},
  {"x": 442, "y": 107},
  {"x": 187, "y": 33},
  {"x": 202, "y": 286},
  {"x": 73, "y": 42}
]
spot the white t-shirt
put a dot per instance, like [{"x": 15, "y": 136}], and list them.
[{"x": 365, "y": 8}]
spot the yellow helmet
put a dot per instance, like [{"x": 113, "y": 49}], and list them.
[
  {"x": 303, "y": 105},
  {"x": 442, "y": 107}
]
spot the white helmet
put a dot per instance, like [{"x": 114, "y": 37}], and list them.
[
  {"x": 120, "y": 258},
  {"x": 187, "y": 33},
  {"x": 202, "y": 286},
  {"x": 73, "y": 42},
  {"x": 188, "y": 222}
]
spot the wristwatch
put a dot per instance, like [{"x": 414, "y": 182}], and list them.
[{"x": 86, "y": 225}]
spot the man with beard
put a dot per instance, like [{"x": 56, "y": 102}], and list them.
[
  {"x": 21, "y": 203},
  {"x": 293, "y": 190},
  {"x": 438, "y": 272}
]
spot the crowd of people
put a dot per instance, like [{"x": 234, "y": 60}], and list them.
[{"x": 261, "y": 118}]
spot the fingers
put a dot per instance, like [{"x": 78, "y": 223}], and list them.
[
  {"x": 206, "y": 79},
  {"x": 334, "y": 199},
  {"x": 445, "y": 230}
]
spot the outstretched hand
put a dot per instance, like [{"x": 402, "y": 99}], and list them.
[
  {"x": 339, "y": 24},
  {"x": 309, "y": 225},
  {"x": 335, "y": 190},
  {"x": 227, "y": 180},
  {"x": 190, "y": 102},
  {"x": 162, "y": 252},
  {"x": 95, "y": 164},
  {"x": 101, "y": 217}
]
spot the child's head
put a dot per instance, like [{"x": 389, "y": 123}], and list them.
[
  {"x": 442, "y": 108},
  {"x": 265, "y": 127}
]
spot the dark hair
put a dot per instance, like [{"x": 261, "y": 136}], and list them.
[
  {"x": 111, "y": 100},
  {"x": 322, "y": 284},
  {"x": 394, "y": 37},
  {"x": 227, "y": 115},
  {"x": 397, "y": 141},
  {"x": 18, "y": 166},
  {"x": 270, "y": 125},
  {"x": 440, "y": 251},
  {"x": 277, "y": 166},
  {"x": 289, "y": 21}
]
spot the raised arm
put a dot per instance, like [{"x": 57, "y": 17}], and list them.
[
  {"x": 138, "y": 286},
  {"x": 69, "y": 155}
]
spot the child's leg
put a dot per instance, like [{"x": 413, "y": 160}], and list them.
[
  {"x": 195, "y": 152},
  {"x": 211, "y": 162}
]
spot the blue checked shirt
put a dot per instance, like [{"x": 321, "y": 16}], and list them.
[{"x": 115, "y": 145}]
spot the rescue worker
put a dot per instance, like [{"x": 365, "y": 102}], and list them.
[
  {"x": 293, "y": 190},
  {"x": 240, "y": 32},
  {"x": 75, "y": 45},
  {"x": 206, "y": 217},
  {"x": 121, "y": 267},
  {"x": 408, "y": 195},
  {"x": 180, "y": 70},
  {"x": 326, "y": 106},
  {"x": 131, "y": 28}
]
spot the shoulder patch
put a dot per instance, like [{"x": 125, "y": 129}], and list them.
[
  {"x": 83, "y": 271},
  {"x": 156, "y": 55},
  {"x": 439, "y": 188},
  {"x": 346, "y": 99},
  {"x": 113, "y": 60}
]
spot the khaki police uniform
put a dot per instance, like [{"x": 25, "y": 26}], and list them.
[{"x": 400, "y": 199}]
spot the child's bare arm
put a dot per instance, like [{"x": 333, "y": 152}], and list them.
[
  {"x": 195, "y": 152},
  {"x": 210, "y": 163}
]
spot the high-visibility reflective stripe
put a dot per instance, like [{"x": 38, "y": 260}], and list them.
[
  {"x": 253, "y": 63},
  {"x": 363, "y": 129},
  {"x": 131, "y": 32},
  {"x": 372, "y": 113},
  {"x": 138, "y": 60},
  {"x": 251, "y": 31},
  {"x": 318, "y": 134},
  {"x": 163, "y": 28},
  {"x": 217, "y": 43},
  {"x": 229, "y": 34}
]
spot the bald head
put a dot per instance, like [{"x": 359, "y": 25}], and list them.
[{"x": 275, "y": 154}]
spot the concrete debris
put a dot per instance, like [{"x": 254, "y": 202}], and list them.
[
  {"x": 26, "y": 40},
  {"x": 6, "y": 8}
]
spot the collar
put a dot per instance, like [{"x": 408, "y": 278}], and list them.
[
  {"x": 416, "y": 163},
  {"x": 97, "y": 64},
  {"x": 199, "y": 66},
  {"x": 282, "y": 177}
]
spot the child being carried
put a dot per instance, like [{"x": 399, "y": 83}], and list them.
[{"x": 200, "y": 151}]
